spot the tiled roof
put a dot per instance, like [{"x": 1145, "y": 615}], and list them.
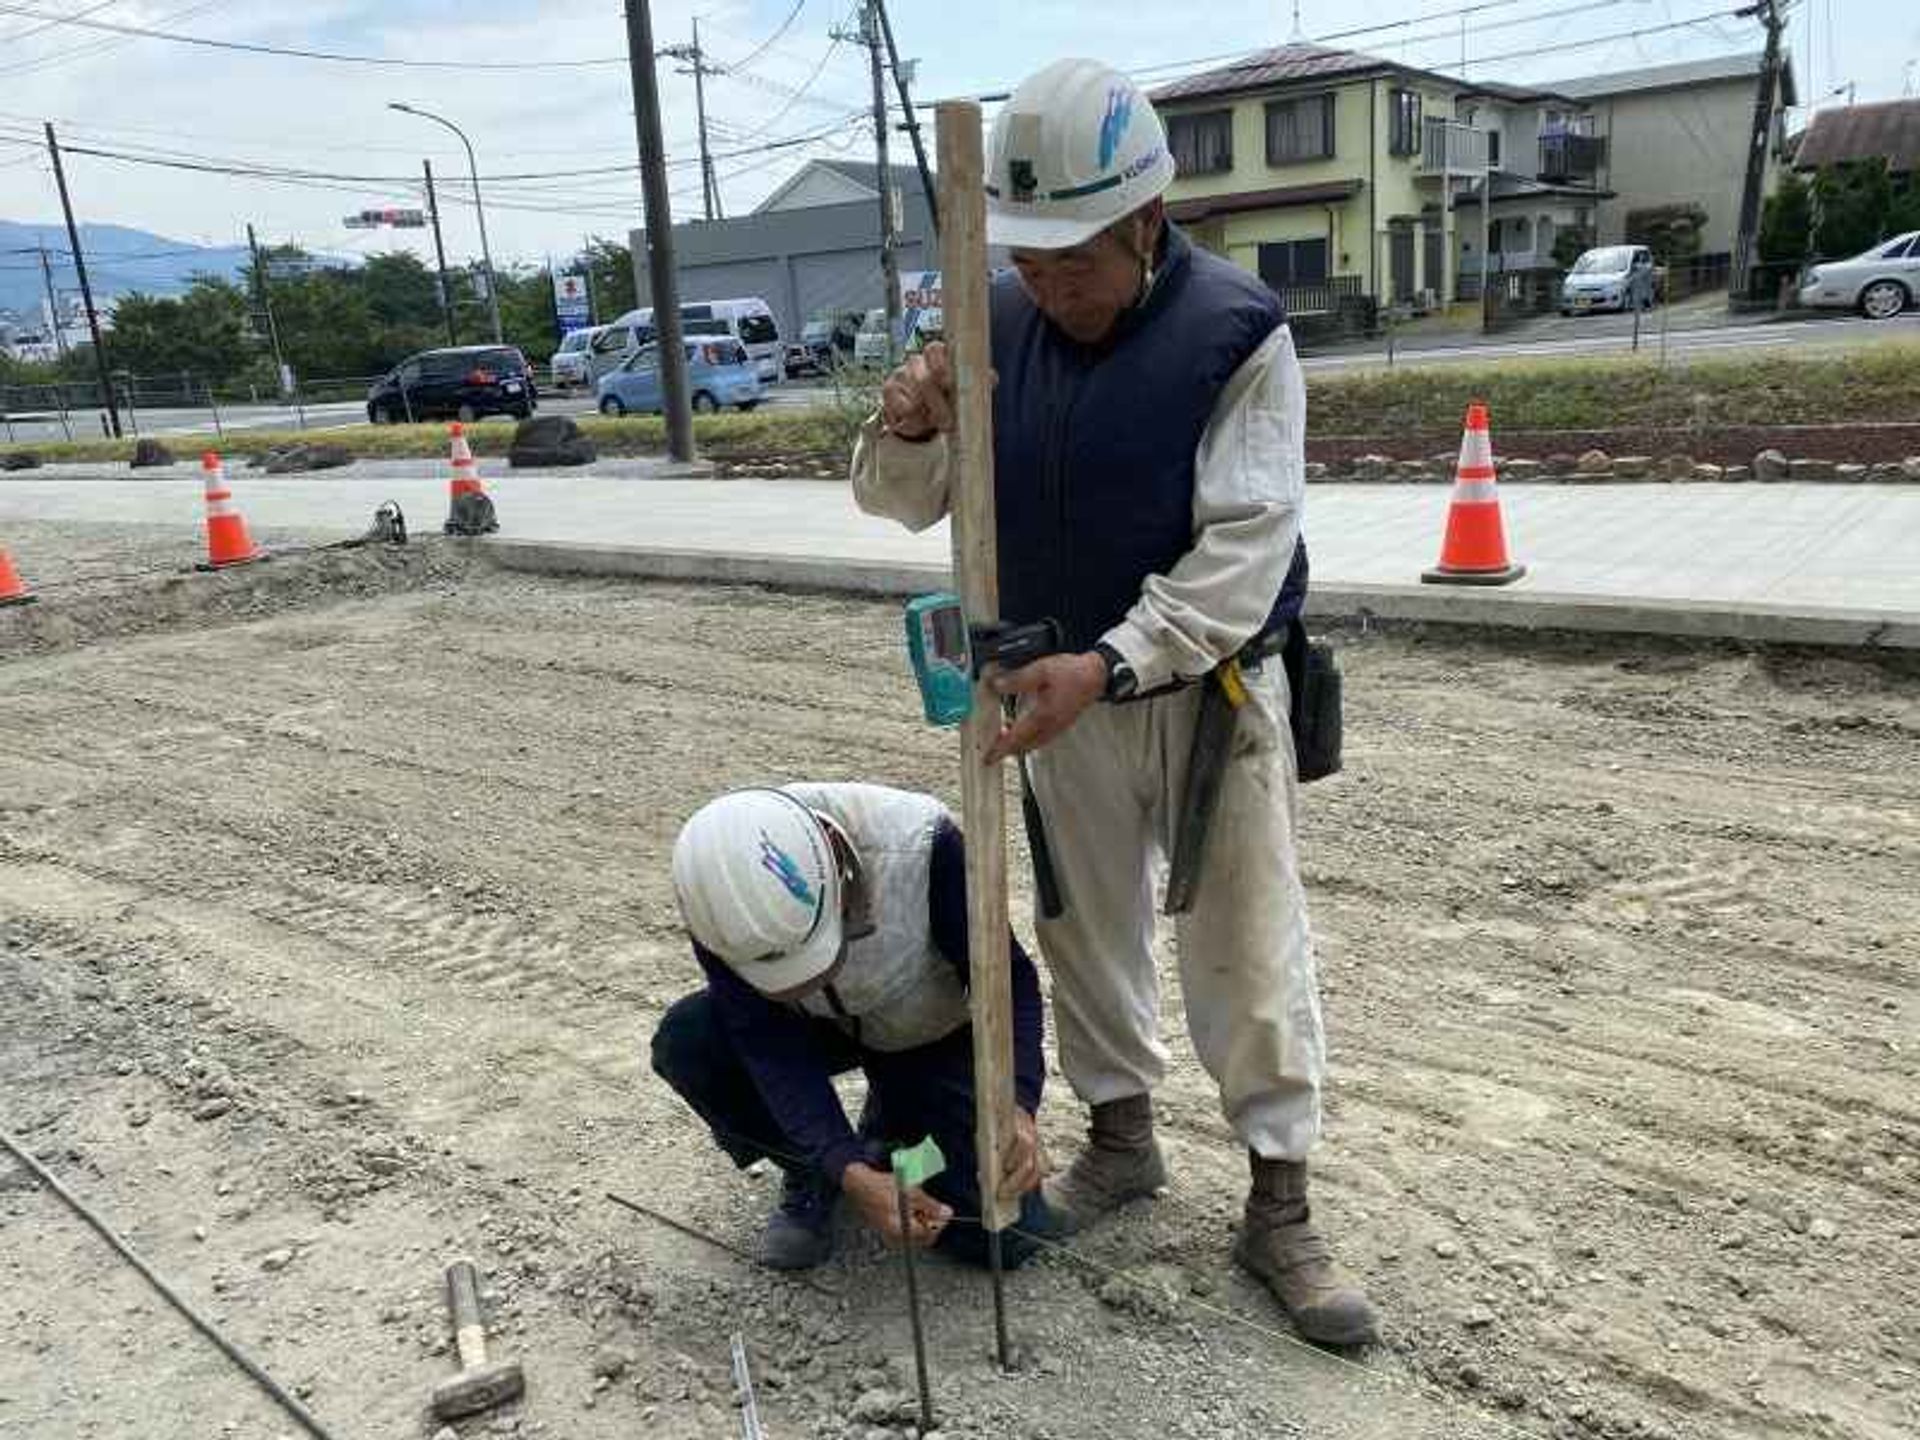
[
  {"x": 1889, "y": 130},
  {"x": 1279, "y": 66}
]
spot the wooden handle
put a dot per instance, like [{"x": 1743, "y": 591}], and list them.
[
  {"x": 463, "y": 1303},
  {"x": 983, "y": 798}
]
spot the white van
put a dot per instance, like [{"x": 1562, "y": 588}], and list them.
[
  {"x": 921, "y": 319},
  {"x": 749, "y": 321},
  {"x": 611, "y": 347}
]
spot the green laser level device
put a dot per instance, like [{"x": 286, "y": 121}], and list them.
[
  {"x": 949, "y": 654},
  {"x": 942, "y": 659}
]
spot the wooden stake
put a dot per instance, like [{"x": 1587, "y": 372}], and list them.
[{"x": 983, "y": 799}]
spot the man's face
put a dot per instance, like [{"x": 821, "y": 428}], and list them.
[{"x": 1085, "y": 290}]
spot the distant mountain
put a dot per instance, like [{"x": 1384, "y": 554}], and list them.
[{"x": 118, "y": 260}]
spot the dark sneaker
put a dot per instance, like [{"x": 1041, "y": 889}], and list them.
[{"x": 799, "y": 1235}]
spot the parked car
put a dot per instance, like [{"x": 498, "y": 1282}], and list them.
[
  {"x": 618, "y": 342},
  {"x": 870, "y": 344},
  {"x": 1879, "y": 284},
  {"x": 457, "y": 384},
  {"x": 749, "y": 320},
  {"x": 719, "y": 372},
  {"x": 1614, "y": 277},
  {"x": 572, "y": 364},
  {"x": 826, "y": 341}
]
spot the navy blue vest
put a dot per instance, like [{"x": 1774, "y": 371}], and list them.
[{"x": 1093, "y": 446}]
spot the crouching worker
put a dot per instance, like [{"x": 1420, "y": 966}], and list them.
[{"x": 831, "y": 921}]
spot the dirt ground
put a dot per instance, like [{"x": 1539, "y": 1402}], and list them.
[{"x": 334, "y": 920}]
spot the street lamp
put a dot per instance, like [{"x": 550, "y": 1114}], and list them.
[{"x": 473, "y": 169}]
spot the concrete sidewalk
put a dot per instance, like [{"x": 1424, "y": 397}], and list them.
[{"x": 1817, "y": 564}]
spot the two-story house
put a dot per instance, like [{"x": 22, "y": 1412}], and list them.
[
  {"x": 1323, "y": 171},
  {"x": 1679, "y": 135},
  {"x": 1544, "y": 159}
]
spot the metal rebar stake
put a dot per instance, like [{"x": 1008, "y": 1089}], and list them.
[
  {"x": 913, "y": 1307},
  {"x": 999, "y": 1272},
  {"x": 743, "y": 1382}
]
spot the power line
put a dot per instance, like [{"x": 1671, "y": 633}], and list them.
[
  {"x": 337, "y": 57},
  {"x": 95, "y": 47},
  {"x": 768, "y": 43},
  {"x": 15, "y": 36}
]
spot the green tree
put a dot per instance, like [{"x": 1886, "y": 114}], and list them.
[
  {"x": 1786, "y": 222},
  {"x": 526, "y": 311},
  {"x": 1672, "y": 232},
  {"x": 203, "y": 333},
  {"x": 609, "y": 267},
  {"x": 1904, "y": 214},
  {"x": 1853, "y": 202},
  {"x": 400, "y": 291}
]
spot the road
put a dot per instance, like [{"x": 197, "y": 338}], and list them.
[
  {"x": 1690, "y": 331},
  {"x": 333, "y": 415}
]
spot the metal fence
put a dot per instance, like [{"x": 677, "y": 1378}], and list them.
[
  {"x": 1515, "y": 295},
  {"x": 78, "y": 409}
]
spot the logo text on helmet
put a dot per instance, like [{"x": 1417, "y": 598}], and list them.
[
  {"x": 777, "y": 863},
  {"x": 1022, "y": 179},
  {"x": 1113, "y": 125}
]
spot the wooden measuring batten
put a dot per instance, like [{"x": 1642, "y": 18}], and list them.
[{"x": 983, "y": 799}]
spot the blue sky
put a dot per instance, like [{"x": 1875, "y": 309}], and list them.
[{"x": 120, "y": 93}]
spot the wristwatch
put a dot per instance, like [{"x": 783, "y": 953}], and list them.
[{"x": 1121, "y": 681}]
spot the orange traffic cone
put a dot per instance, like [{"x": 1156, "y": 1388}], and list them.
[
  {"x": 13, "y": 590},
  {"x": 1474, "y": 551},
  {"x": 469, "y": 511},
  {"x": 228, "y": 542}
]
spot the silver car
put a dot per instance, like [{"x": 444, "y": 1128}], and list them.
[
  {"x": 1879, "y": 284},
  {"x": 1614, "y": 277},
  {"x": 571, "y": 363}
]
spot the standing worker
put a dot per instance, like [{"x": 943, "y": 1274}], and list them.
[
  {"x": 831, "y": 922},
  {"x": 1149, "y": 460}
]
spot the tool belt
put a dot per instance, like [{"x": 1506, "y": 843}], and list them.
[{"x": 1316, "y": 710}]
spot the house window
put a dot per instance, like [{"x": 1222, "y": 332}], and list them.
[
  {"x": 1294, "y": 262},
  {"x": 1299, "y": 130},
  {"x": 1403, "y": 122},
  {"x": 1201, "y": 144},
  {"x": 1493, "y": 148}
]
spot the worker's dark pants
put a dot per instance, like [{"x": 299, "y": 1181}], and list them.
[{"x": 910, "y": 1094}]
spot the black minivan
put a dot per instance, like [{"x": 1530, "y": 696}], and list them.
[{"x": 462, "y": 384}]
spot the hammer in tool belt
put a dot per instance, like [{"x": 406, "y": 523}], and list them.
[
  {"x": 1220, "y": 706},
  {"x": 479, "y": 1386}
]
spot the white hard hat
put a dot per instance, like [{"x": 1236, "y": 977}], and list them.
[
  {"x": 1076, "y": 147},
  {"x": 760, "y": 888}
]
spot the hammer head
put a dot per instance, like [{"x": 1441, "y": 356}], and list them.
[{"x": 480, "y": 1388}]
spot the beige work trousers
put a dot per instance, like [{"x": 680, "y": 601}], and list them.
[{"x": 1111, "y": 789}]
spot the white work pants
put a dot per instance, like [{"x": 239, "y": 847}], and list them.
[{"x": 1111, "y": 789}]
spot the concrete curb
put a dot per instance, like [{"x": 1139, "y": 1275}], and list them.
[
  {"x": 1521, "y": 609},
  {"x": 784, "y": 572}
]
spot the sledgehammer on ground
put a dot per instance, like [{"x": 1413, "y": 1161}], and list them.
[{"x": 479, "y": 1386}]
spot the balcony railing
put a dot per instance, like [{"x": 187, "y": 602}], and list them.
[
  {"x": 1448, "y": 147},
  {"x": 1571, "y": 159}
]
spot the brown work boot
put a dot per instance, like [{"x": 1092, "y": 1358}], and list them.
[
  {"x": 1279, "y": 1244},
  {"x": 1121, "y": 1161}
]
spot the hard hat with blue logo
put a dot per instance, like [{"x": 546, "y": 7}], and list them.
[
  {"x": 760, "y": 888},
  {"x": 1075, "y": 148}
]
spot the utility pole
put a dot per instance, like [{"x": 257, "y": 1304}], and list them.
[
  {"x": 889, "y": 241},
  {"x": 1768, "y": 12},
  {"x": 265, "y": 299},
  {"x": 912, "y": 127},
  {"x": 86, "y": 289},
  {"x": 697, "y": 58},
  {"x": 439, "y": 254},
  {"x": 658, "y": 218},
  {"x": 53, "y": 305}
]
